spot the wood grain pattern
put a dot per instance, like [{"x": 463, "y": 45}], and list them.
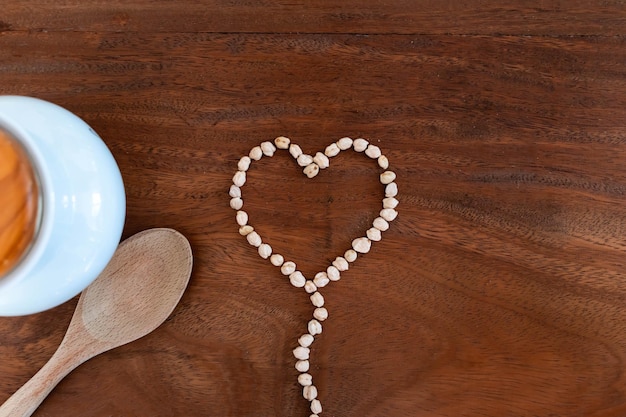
[
  {"x": 498, "y": 291},
  {"x": 575, "y": 17}
]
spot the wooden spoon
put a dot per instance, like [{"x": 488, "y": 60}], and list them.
[{"x": 134, "y": 294}]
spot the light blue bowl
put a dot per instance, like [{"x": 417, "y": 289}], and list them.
[{"x": 83, "y": 206}]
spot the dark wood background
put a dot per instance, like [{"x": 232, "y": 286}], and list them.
[{"x": 500, "y": 290}]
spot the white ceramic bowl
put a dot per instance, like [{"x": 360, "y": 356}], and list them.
[{"x": 83, "y": 206}]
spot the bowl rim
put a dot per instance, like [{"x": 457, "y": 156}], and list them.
[
  {"x": 84, "y": 208},
  {"x": 45, "y": 209}
]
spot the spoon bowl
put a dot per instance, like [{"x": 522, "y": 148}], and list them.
[{"x": 136, "y": 292}]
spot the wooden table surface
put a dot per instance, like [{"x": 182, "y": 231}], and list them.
[{"x": 500, "y": 289}]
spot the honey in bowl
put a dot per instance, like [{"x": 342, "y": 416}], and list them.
[{"x": 19, "y": 203}]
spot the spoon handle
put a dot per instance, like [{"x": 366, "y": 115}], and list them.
[{"x": 25, "y": 400}]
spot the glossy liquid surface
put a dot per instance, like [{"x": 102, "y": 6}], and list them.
[{"x": 19, "y": 203}]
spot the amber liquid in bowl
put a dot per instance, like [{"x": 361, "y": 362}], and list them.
[{"x": 19, "y": 203}]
